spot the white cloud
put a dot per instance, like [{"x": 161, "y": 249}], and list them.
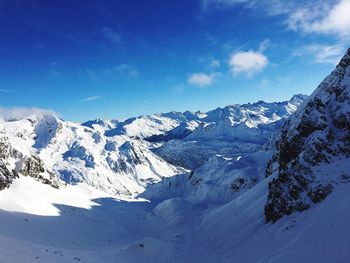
[
  {"x": 329, "y": 54},
  {"x": 201, "y": 79},
  {"x": 271, "y": 7},
  {"x": 23, "y": 112},
  {"x": 323, "y": 19},
  {"x": 247, "y": 62},
  {"x": 111, "y": 35},
  {"x": 87, "y": 99},
  {"x": 310, "y": 16}
]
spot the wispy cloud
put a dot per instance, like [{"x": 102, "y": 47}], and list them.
[
  {"x": 5, "y": 90},
  {"x": 310, "y": 16},
  {"x": 329, "y": 54},
  {"x": 87, "y": 99},
  {"x": 325, "y": 18},
  {"x": 23, "y": 112},
  {"x": 111, "y": 35},
  {"x": 201, "y": 79},
  {"x": 271, "y": 7}
]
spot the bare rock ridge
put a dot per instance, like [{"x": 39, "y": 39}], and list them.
[{"x": 313, "y": 148}]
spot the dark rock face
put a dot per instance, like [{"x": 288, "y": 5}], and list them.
[
  {"x": 305, "y": 163},
  {"x": 34, "y": 167},
  {"x": 6, "y": 176},
  {"x": 242, "y": 183}
]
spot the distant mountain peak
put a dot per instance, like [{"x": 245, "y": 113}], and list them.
[{"x": 298, "y": 97}]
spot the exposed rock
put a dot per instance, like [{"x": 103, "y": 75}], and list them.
[
  {"x": 6, "y": 176},
  {"x": 313, "y": 148},
  {"x": 6, "y": 173},
  {"x": 34, "y": 167}
]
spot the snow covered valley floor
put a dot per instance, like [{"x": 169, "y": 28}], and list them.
[{"x": 81, "y": 224}]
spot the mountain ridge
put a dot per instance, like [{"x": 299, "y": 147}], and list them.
[{"x": 114, "y": 156}]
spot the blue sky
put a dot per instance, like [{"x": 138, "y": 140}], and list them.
[{"x": 117, "y": 59}]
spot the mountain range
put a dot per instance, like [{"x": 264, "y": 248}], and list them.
[{"x": 257, "y": 182}]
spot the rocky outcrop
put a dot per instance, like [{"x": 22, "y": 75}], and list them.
[
  {"x": 34, "y": 167},
  {"x": 13, "y": 163},
  {"x": 6, "y": 176},
  {"x": 6, "y": 173},
  {"x": 313, "y": 149}
]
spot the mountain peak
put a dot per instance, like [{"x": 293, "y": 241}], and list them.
[
  {"x": 345, "y": 61},
  {"x": 299, "y": 97}
]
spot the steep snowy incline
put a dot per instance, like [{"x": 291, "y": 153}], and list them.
[
  {"x": 313, "y": 150},
  {"x": 238, "y": 231}
]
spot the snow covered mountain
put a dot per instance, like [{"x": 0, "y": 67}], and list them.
[
  {"x": 149, "y": 126},
  {"x": 232, "y": 131},
  {"x": 122, "y": 158},
  {"x": 15, "y": 161},
  {"x": 74, "y": 153},
  {"x": 123, "y": 195}
]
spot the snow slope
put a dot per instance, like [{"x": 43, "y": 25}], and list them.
[{"x": 80, "y": 224}]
